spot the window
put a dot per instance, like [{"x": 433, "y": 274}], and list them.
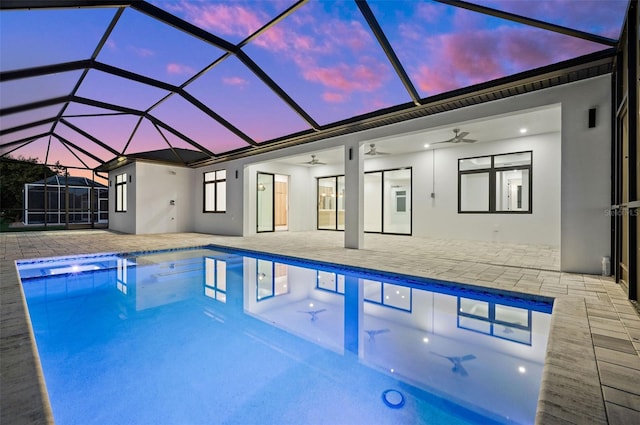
[
  {"x": 495, "y": 319},
  {"x": 215, "y": 191},
  {"x": 388, "y": 294},
  {"x": 121, "y": 192},
  {"x": 215, "y": 282},
  {"x": 271, "y": 280},
  {"x": 495, "y": 183}
]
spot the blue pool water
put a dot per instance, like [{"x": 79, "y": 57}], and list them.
[{"x": 212, "y": 336}]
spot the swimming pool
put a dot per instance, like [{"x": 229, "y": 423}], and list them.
[{"x": 219, "y": 336}]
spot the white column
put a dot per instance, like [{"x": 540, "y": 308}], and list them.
[{"x": 354, "y": 195}]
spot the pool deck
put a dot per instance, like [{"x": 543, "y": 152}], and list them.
[{"x": 592, "y": 368}]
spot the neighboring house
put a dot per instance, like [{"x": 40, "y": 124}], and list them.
[{"x": 73, "y": 200}]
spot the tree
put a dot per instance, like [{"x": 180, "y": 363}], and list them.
[{"x": 14, "y": 173}]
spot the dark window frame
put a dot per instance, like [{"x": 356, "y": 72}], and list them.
[
  {"x": 492, "y": 322},
  {"x": 492, "y": 170},
  {"x": 121, "y": 182},
  {"x": 215, "y": 182}
]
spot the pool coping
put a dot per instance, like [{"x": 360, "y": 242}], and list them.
[{"x": 571, "y": 389}]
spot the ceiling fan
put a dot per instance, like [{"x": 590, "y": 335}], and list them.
[
  {"x": 314, "y": 161},
  {"x": 457, "y": 362},
  {"x": 458, "y": 137},
  {"x": 373, "y": 151}
]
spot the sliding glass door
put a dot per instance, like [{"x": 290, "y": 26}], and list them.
[
  {"x": 387, "y": 202},
  {"x": 331, "y": 203}
]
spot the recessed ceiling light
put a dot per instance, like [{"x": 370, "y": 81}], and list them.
[
  {"x": 523, "y": 130},
  {"x": 522, "y": 369},
  {"x": 426, "y": 145}
]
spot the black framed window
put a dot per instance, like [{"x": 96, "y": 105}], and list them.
[
  {"x": 376, "y": 292},
  {"x": 215, "y": 282},
  {"x": 496, "y": 184},
  {"x": 121, "y": 192},
  {"x": 215, "y": 191},
  {"x": 501, "y": 321},
  {"x": 272, "y": 279}
]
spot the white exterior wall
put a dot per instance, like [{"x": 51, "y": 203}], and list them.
[
  {"x": 228, "y": 223},
  {"x": 438, "y": 217},
  {"x": 156, "y": 186},
  {"x": 149, "y": 193},
  {"x": 124, "y": 222}
]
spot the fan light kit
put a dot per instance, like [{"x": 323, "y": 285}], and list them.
[
  {"x": 314, "y": 161},
  {"x": 373, "y": 151}
]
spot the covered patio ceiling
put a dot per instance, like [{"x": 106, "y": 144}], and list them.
[{"x": 85, "y": 81}]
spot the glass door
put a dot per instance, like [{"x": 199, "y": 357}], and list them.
[
  {"x": 397, "y": 201},
  {"x": 265, "y": 202},
  {"x": 331, "y": 203}
]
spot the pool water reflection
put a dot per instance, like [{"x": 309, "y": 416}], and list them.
[{"x": 210, "y": 335}]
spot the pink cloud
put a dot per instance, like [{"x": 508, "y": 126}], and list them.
[
  {"x": 347, "y": 78},
  {"x": 349, "y": 34},
  {"x": 275, "y": 39},
  {"x": 235, "y": 81},
  {"x": 220, "y": 18},
  {"x": 179, "y": 69},
  {"x": 464, "y": 58},
  {"x": 333, "y": 97}
]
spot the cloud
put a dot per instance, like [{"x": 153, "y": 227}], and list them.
[
  {"x": 141, "y": 51},
  {"x": 460, "y": 59},
  {"x": 332, "y": 97},
  {"x": 224, "y": 19},
  {"x": 349, "y": 34},
  {"x": 275, "y": 39},
  {"x": 179, "y": 69},
  {"x": 430, "y": 12},
  {"x": 347, "y": 78},
  {"x": 235, "y": 81},
  {"x": 334, "y": 53}
]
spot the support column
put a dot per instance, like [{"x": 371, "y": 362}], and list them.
[
  {"x": 354, "y": 195},
  {"x": 353, "y": 314}
]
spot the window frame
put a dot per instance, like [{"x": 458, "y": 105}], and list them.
[
  {"x": 492, "y": 170},
  {"x": 121, "y": 193},
  {"x": 215, "y": 182}
]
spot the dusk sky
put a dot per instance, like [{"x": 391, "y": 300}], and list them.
[{"x": 323, "y": 55}]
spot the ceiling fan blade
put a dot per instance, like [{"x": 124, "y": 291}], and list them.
[
  {"x": 462, "y": 135},
  {"x": 468, "y": 140},
  {"x": 460, "y": 370}
]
